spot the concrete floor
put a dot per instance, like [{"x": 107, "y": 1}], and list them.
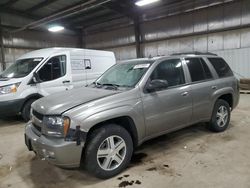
[{"x": 193, "y": 157}]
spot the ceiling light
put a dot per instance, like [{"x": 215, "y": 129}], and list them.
[
  {"x": 56, "y": 28},
  {"x": 145, "y": 2}
]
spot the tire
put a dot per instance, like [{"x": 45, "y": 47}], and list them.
[
  {"x": 105, "y": 166},
  {"x": 26, "y": 109},
  {"x": 220, "y": 122}
]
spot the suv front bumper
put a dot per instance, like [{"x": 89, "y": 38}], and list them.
[{"x": 57, "y": 151}]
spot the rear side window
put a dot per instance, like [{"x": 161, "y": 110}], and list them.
[
  {"x": 208, "y": 73},
  {"x": 221, "y": 67},
  {"x": 198, "y": 69}
]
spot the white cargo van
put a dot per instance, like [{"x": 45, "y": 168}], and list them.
[{"x": 46, "y": 71}]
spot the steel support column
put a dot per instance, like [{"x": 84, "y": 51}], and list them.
[
  {"x": 2, "y": 47},
  {"x": 81, "y": 38},
  {"x": 138, "y": 38}
]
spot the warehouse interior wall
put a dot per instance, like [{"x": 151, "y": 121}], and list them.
[
  {"x": 17, "y": 44},
  {"x": 217, "y": 28}
]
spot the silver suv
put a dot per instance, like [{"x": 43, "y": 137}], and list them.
[{"x": 101, "y": 125}]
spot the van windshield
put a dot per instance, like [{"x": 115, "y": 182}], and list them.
[
  {"x": 21, "y": 68},
  {"x": 124, "y": 74}
]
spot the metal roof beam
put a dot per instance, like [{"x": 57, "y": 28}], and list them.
[
  {"x": 97, "y": 21},
  {"x": 8, "y": 4},
  {"x": 63, "y": 14},
  {"x": 85, "y": 16},
  {"x": 116, "y": 7},
  {"x": 40, "y": 5},
  {"x": 19, "y": 13}
]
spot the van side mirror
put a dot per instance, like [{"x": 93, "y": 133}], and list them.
[
  {"x": 36, "y": 78},
  {"x": 157, "y": 84}
]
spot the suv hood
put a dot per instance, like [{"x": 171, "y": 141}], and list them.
[{"x": 58, "y": 103}]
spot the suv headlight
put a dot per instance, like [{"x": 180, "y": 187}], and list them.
[
  {"x": 9, "y": 89},
  {"x": 56, "y": 126}
]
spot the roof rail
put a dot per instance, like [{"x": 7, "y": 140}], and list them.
[{"x": 194, "y": 53}]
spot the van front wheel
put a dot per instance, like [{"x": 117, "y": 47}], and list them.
[
  {"x": 26, "y": 109},
  {"x": 108, "y": 151}
]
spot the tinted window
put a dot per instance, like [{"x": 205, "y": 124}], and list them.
[
  {"x": 198, "y": 69},
  {"x": 208, "y": 73},
  {"x": 195, "y": 69},
  {"x": 221, "y": 67},
  {"x": 53, "y": 69},
  {"x": 170, "y": 70}
]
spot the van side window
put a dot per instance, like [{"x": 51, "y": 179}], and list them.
[
  {"x": 171, "y": 71},
  {"x": 221, "y": 67},
  {"x": 87, "y": 63},
  {"x": 53, "y": 69},
  {"x": 198, "y": 69}
]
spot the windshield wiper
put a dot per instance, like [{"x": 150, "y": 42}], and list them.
[
  {"x": 115, "y": 86},
  {"x": 97, "y": 84},
  {"x": 3, "y": 76}
]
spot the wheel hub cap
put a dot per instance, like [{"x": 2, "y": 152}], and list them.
[
  {"x": 111, "y": 153},
  {"x": 222, "y": 116}
]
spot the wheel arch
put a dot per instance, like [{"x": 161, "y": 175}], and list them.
[
  {"x": 225, "y": 94},
  {"x": 29, "y": 97},
  {"x": 228, "y": 98},
  {"x": 125, "y": 121}
]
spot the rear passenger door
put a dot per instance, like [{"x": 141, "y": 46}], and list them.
[{"x": 202, "y": 86}]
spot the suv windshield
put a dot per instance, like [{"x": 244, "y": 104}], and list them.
[
  {"x": 124, "y": 74},
  {"x": 21, "y": 68}
]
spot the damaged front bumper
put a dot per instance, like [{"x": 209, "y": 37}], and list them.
[{"x": 55, "y": 150}]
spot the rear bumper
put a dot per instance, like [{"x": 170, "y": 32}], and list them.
[
  {"x": 12, "y": 107},
  {"x": 57, "y": 151}
]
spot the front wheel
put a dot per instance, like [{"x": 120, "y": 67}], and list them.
[
  {"x": 220, "y": 117},
  {"x": 108, "y": 151}
]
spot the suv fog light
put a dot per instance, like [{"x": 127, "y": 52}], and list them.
[
  {"x": 51, "y": 154},
  {"x": 48, "y": 154}
]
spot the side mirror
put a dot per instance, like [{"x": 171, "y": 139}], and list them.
[
  {"x": 157, "y": 84},
  {"x": 36, "y": 78}
]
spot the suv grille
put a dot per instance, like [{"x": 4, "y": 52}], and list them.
[
  {"x": 37, "y": 122},
  {"x": 37, "y": 127},
  {"x": 37, "y": 115}
]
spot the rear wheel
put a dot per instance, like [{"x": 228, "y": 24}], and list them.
[
  {"x": 108, "y": 151},
  {"x": 220, "y": 117},
  {"x": 26, "y": 109}
]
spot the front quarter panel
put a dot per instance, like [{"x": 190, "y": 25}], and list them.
[{"x": 123, "y": 104}]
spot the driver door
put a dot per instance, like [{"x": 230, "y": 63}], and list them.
[
  {"x": 54, "y": 76},
  {"x": 169, "y": 108}
]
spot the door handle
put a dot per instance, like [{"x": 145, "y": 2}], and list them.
[
  {"x": 66, "y": 81},
  {"x": 184, "y": 94},
  {"x": 214, "y": 87}
]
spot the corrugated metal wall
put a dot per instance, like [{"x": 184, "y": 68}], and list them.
[
  {"x": 218, "y": 28},
  {"x": 23, "y": 42},
  {"x": 239, "y": 61}
]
